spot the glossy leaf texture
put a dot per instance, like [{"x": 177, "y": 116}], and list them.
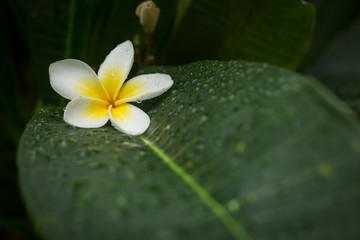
[
  {"x": 273, "y": 31},
  {"x": 275, "y": 150}
]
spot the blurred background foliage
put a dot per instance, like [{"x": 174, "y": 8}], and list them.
[{"x": 319, "y": 38}]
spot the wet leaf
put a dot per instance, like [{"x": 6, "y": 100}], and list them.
[{"x": 234, "y": 149}]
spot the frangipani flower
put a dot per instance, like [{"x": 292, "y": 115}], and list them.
[{"x": 97, "y": 98}]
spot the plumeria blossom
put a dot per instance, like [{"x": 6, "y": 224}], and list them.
[{"x": 97, "y": 98}]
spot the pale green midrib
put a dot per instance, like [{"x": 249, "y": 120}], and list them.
[{"x": 230, "y": 223}]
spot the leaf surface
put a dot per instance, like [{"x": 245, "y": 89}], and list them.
[{"x": 235, "y": 150}]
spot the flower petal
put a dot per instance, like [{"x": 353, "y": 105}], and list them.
[
  {"x": 73, "y": 78},
  {"x": 86, "y": 112},
  {"x": 129, "y": 119},
  {"x": 144, "y": 87},
  {"x": 116, "y": 67}
]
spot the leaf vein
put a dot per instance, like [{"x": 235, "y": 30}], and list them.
[{"x": 230, "y": 223}]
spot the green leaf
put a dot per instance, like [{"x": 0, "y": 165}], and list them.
[
  {"x": 332, "y": 19},
  {"x": 276, "y": 31},
  {"x": 339, "y": 67},
  {"x": 235, "y": 150}
]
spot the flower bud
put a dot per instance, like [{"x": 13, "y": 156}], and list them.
[{"x": 148, "y": 13}]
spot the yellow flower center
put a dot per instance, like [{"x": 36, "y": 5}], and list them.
[{"x": 112, "y": 80}]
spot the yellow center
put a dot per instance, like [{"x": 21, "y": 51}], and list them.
[{"x": 112, "y": 79}]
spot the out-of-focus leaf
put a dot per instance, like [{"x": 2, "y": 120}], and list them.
[
  {"x": 332, "y": 17},
  {"x": 9, "y": 120},
  {"x": 274, "y": 31},
  {"x": 13, "y": 220},
  {"x": 85, "y": 30},
  {"x": 339, "y": 66},
  {"x": 272, "y": 152},
  {"x": 115, "y": 22},
  {"x": 45, "y": 26}
]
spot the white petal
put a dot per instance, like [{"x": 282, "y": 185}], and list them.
[
  {"x": 144, "y": 87},
  {"x": 86, "y": 112},
  {"x": 116, "y": 67},
  {"x": 73, "y": 78},
  {"x": 129, "y": 119}
]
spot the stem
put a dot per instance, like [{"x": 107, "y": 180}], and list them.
[
  {"x": 149, "y": 58},
  {"x": 138, "y": 56}
]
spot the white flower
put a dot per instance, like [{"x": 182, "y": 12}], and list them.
[{"x": 97, "y": 98}]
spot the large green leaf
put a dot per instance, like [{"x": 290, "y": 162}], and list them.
[
  {"x": 234, "y": 149},
  {"x": 273, "y": 31}
]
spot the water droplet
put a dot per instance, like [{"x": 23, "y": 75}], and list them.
[
  {"x": 203, "y": 119},
  {"x": 79, "y": 182},
  {"x": 116, "y": 149},
  {"x": 62, "y": 144},
  {"x": 240, "y": 147},
  {"x": 200, "y": 147},
  {"x": 97, "y": 164},
  {"x": 121, "y": 201},
  {"x": 233, "y": 205},
  {"x": 130, "y": 174},
  {"x": 251, "y": 197},
  {"x": 325, "y": 169},
  {"x": 189, "y": 164},
  {"x": 112, "y": 169}
]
